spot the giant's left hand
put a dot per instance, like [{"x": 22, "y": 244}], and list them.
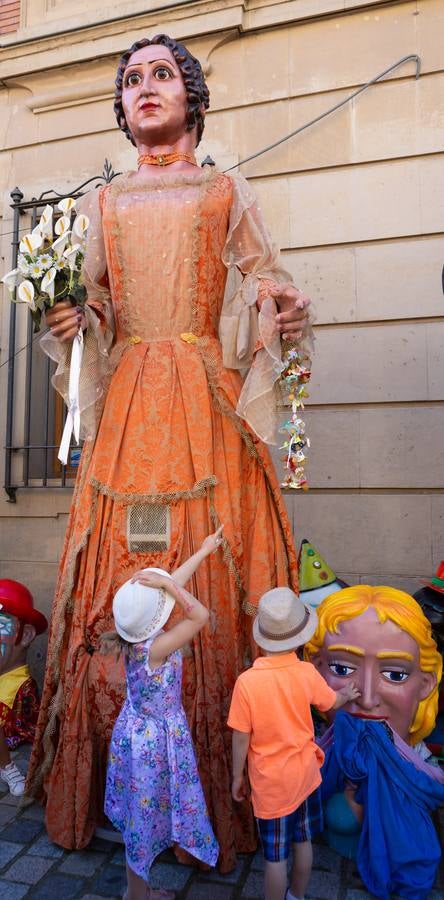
[{"x": 292, "y": 317}]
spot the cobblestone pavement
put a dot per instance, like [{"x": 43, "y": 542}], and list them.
[{"x": 32, "y": 867}]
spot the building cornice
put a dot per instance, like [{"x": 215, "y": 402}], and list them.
[
  {"x": 79, "y": 39},
  {"x": 26, "y": 53}
]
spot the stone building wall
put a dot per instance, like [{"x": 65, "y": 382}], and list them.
[{"x": 356, "y": 203}]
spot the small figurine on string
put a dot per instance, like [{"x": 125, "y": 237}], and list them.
[{"x": 295, "y": 375}]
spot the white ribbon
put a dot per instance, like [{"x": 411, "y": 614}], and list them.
[{"x": 72, "y": 424}]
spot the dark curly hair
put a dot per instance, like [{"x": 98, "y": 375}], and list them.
[{"x": 193, "y": 78}]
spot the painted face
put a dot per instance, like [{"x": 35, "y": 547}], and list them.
[
  {"x": 154, "y": 98},
  {"x": 9, "y": 626},
  {"x": 383, "y": 662}
]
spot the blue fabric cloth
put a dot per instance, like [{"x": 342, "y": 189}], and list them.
[{"x": 398, "y": 849}]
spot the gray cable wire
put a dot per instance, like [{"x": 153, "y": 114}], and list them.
[
  {"x": 328, "y": 112},
  {"x": 412, "y": 56}
]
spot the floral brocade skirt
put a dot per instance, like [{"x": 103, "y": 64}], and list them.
[{"x": 109, "y": 537}]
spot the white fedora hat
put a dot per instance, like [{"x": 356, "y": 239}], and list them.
[
  {"x": 140, "y": 611},
  {"x": 283, "y": 622}
]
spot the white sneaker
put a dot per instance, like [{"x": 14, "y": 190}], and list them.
[{"x": 14, "y": 779}]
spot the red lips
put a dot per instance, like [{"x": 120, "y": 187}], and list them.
[
  {"x": 148, "y": 106},
  {"x": 368, "y": 716}
]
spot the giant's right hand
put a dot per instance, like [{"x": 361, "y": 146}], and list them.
[{"x": 64, "y": 320}]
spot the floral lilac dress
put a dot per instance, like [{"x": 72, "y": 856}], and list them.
[{"x": 153, "y": 791}]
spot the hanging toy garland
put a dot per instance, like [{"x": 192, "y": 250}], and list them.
[{"x": 295, "y": 375}]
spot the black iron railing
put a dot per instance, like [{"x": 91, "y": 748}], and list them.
[{"x": 35, "y": 414}]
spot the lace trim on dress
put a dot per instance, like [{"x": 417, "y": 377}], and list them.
[
  {"x": 212, "y": 369},
  {"x": 127, "y": 181},
  {"x": 58, "y": 626},
  {"x": 226, "y": 550},
  {"x": 198, "y": 490}
]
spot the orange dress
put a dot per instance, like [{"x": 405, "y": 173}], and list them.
[{"x": 171, "y": 459}]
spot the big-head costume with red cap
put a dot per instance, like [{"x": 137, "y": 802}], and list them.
[
  {"x": 20, "y": 622},
  {"x": 16, "y": 600}
]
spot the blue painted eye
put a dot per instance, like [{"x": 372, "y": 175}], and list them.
[
  {"x": 7, "y": 624},
  {"x": 341, "y": 670},
  {"x": 395, "y": 676}
]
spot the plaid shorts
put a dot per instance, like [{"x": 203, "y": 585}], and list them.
[{"x": 301, "y": 825}]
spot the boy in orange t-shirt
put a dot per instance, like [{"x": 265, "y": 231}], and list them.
[{"x": 272, "y": 725}]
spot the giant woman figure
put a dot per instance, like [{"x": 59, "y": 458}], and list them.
[{"x": 179, "y": 271}]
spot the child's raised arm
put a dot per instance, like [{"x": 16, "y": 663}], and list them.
[
  {"x": 188, "y": 568},
  {"x": 196, "y": 615}
]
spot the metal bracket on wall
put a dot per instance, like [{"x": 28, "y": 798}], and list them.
[{"x": 328, "y": 112}]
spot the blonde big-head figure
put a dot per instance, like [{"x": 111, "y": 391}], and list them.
[{"x": 380, "y": 638}]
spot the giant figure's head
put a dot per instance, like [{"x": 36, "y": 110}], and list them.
[
  {"x": 379, "y": 638},
  {"x": 187, "y": 86}
]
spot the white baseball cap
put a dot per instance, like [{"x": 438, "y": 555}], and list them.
[{"x": 139, "y": 611}]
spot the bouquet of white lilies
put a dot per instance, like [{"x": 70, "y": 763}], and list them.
[
  {"x": 50, "y": 261},
  {"x": 49, "y": 269}
]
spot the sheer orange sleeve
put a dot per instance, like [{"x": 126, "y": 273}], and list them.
[{"x": 248, "y": 333}]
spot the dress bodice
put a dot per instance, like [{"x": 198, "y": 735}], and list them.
[
  {"x": 157, "y": 693},
  {"x": 164, "y": 244},
  {"x": 169, "y": 244}
]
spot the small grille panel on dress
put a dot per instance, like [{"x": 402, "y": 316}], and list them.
[{"x": 148, "y": 528}]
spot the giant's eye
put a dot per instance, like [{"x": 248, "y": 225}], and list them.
[
  {"x": 162, "y": 73},
  {"x": 395, "y": 675},
  {"x": 133, "y": 79},
  {"x": 341, "y": 670}
]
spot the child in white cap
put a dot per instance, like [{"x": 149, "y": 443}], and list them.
[
  {"x": 153, "y": 791},
  {"x": 272, "y": 726}
]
